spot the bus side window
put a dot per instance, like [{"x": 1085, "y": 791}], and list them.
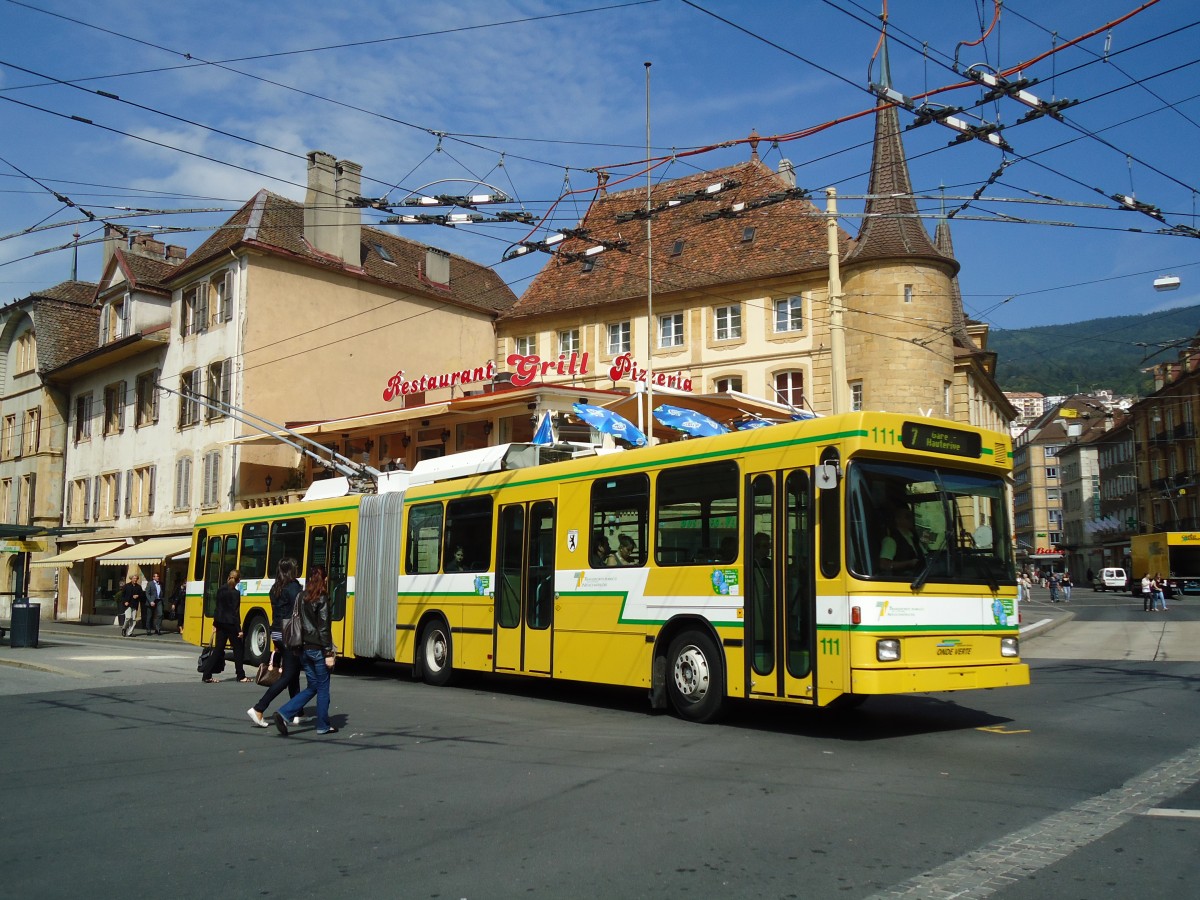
[
  {"x": 287, "y": 540},
  {"x": 201, "y": 555},
  {"x": 338, "y": 568},
  {"x": 621, "y": 508},
  {"x": 254, "y": 551},
  {"x": 424, "y": 539},
  {"x": 692, "y": 505},
  {"x": 318, "y": 547}
]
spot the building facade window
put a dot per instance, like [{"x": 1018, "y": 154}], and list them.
[
  {"x": 789, "y": 314},
  {"x": 618, "y": 338},
  {"x": 183, "y": 483},
  {"x": 33, "y": 430},
  {"x": 221, "y": 293},
  {"x": 27, "y": 499},
  {"x": 670, "y": 330},
  {"x": 728, "y": 322},
  {"x": 83, "y": 417},
  {"x": 114, "y": 408},
  {"x": 189, "y": 390},
  {"x": 948, "y": 399},
  {"x": 729, "y": 383},
  {"x": 789, "y": 388},
  {"x": 110, "y": 496},
  {"x": 220, "y": 377},
  {"x": 568, "y": 341},
  {"x": 139, "y": 491},
  {"x": 193, "y": 318},
  {"x": 147, "y": 398},
  {"x": 8, "y": 438},
  {"x": 856, "y": 396},
  {"x": 525, "y": 345},
  {"x": 908, "y": 293},
  {"x": 6, "y": 496},
  {"x": 211, "y": 494},
  {"x": 26, "y": 352}
]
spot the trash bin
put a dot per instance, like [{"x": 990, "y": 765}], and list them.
[{"x": 25, "y": 622}]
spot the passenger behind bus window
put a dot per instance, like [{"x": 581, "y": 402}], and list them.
[
  {"x": 602, "y": 554},
  {"x": 456, "y": 561},
  {"x": 626, "y": 554}
]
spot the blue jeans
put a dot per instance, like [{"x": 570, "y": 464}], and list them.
[{"x": 316, "y": 673}]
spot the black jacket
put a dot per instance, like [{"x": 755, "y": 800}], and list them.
[
  {"x": 282, "y": 603},
  {"x": 229, "y": 608},
  {"x": 314, "y": 619}
]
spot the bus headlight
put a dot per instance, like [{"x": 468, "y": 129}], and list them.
[
  {"x": 887, "y": 650},
  {"x": 1010, "y": 647}
]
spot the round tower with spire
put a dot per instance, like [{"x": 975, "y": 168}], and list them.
[{"x": 898, "y": 290}]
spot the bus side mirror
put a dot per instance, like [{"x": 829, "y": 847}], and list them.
[{"x": 827, "y": 476}]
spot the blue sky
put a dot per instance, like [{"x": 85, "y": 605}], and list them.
[{"x": 527, "y": 96}]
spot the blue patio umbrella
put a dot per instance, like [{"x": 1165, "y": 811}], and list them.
[
  {"x": 545, "y": 431},
  {"x": 750, "y": 424},
  {"x": 608, "y": 422},
  {"x": 688, "y": 421}
]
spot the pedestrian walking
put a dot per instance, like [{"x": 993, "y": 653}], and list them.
[
  {"x": 318, "y": 655},
  {"x": 154, "y": 605},
  {"x": 177, "y": 601},
  {"x": 1147, "y": 595},
  {"x": 1066, "y": 586},
  {"x": 283, "y": 599},
  {"x": 132, "y": 596},
  {"x": 1159, "y": 588},
  {"x": 1052, "y": 583},
  {"x": 228, "y": 624}
]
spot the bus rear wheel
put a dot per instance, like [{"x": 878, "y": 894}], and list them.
[
  {"x": 258, "y": 640},
  {"x": 695, "y": 681},
  {"x": 437, "y": 653}
]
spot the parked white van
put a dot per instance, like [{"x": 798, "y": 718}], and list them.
[{"x": 1111, "y": 580}]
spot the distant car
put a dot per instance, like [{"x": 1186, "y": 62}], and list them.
[{"x": 1111, "y": 579}]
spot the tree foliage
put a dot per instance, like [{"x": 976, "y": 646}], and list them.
[{"x": 1098, "y": 354}]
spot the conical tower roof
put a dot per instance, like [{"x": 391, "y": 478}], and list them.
[
  {"x": 891, "y": 229},
  {"x": 958, "y": 318}
]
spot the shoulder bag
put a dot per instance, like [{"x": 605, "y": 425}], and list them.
[{"x": 268, "y": 674}]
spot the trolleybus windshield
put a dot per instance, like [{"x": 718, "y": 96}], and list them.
[{"x": 925, "y": 524}]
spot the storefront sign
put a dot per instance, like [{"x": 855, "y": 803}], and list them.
[
  {"x": 527, "y": 367},
  {"x": 398, "y": 385},
  {"x": 16, "y": 546},
  {"x": 626, "y": 367}
]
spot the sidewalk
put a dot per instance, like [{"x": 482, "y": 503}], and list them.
[{"x": 1039, "y": 615}]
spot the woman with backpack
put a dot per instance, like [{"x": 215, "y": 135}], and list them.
[
  {"x": 284, "y": 592},
  {"x": 317, "y": 654}
]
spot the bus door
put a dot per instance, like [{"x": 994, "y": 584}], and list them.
[
  {"x": 329, "y": 546},
  {"x": 220, "y": 556},
  {"x": 525, "y": 592},
  {"x": 780, "y": 605}
]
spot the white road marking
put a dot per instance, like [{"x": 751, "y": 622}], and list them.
[
  {"x": 124, "y": 657},
  {"x": 1174, "y": 813}
]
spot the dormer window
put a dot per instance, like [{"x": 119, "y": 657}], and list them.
[
  {"x": 677, "y": 249},
  {"x": 748, "y": 234}
]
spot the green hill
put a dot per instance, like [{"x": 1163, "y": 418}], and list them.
[{"x": 1093, "y": 355}]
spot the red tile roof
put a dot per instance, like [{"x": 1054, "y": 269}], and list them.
[
  {"x": 789, "y": 238},
  {"x": 275, "y": 224},
  {"x": 65, "y": 321}
]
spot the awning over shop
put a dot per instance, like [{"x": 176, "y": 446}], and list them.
[
  {"x": 151, "y": 551},
  {"x": 76, "y": 554}
]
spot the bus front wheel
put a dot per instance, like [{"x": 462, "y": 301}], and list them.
[
  {"x": 695, "y": 682},
  {"x": 436, "y": 653}
]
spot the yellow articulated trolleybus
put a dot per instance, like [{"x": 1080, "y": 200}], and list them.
[{"x": 813, "y": 562}]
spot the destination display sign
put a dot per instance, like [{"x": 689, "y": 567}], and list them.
[{"x": 936, "y": 439}]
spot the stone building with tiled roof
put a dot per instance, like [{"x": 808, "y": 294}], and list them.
[
  {"x": 732, "y": 292},
  {"x": 37, "y": 334},
  {"x": 289, "y": 312}
]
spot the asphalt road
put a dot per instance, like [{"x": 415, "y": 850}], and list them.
[{"x": 124, "y": 775}]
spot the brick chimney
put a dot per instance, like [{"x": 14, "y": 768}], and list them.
[{"x": 331, "y": 224}]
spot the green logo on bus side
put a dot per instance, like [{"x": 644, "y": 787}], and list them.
[{"x": 724, "y": 581}]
